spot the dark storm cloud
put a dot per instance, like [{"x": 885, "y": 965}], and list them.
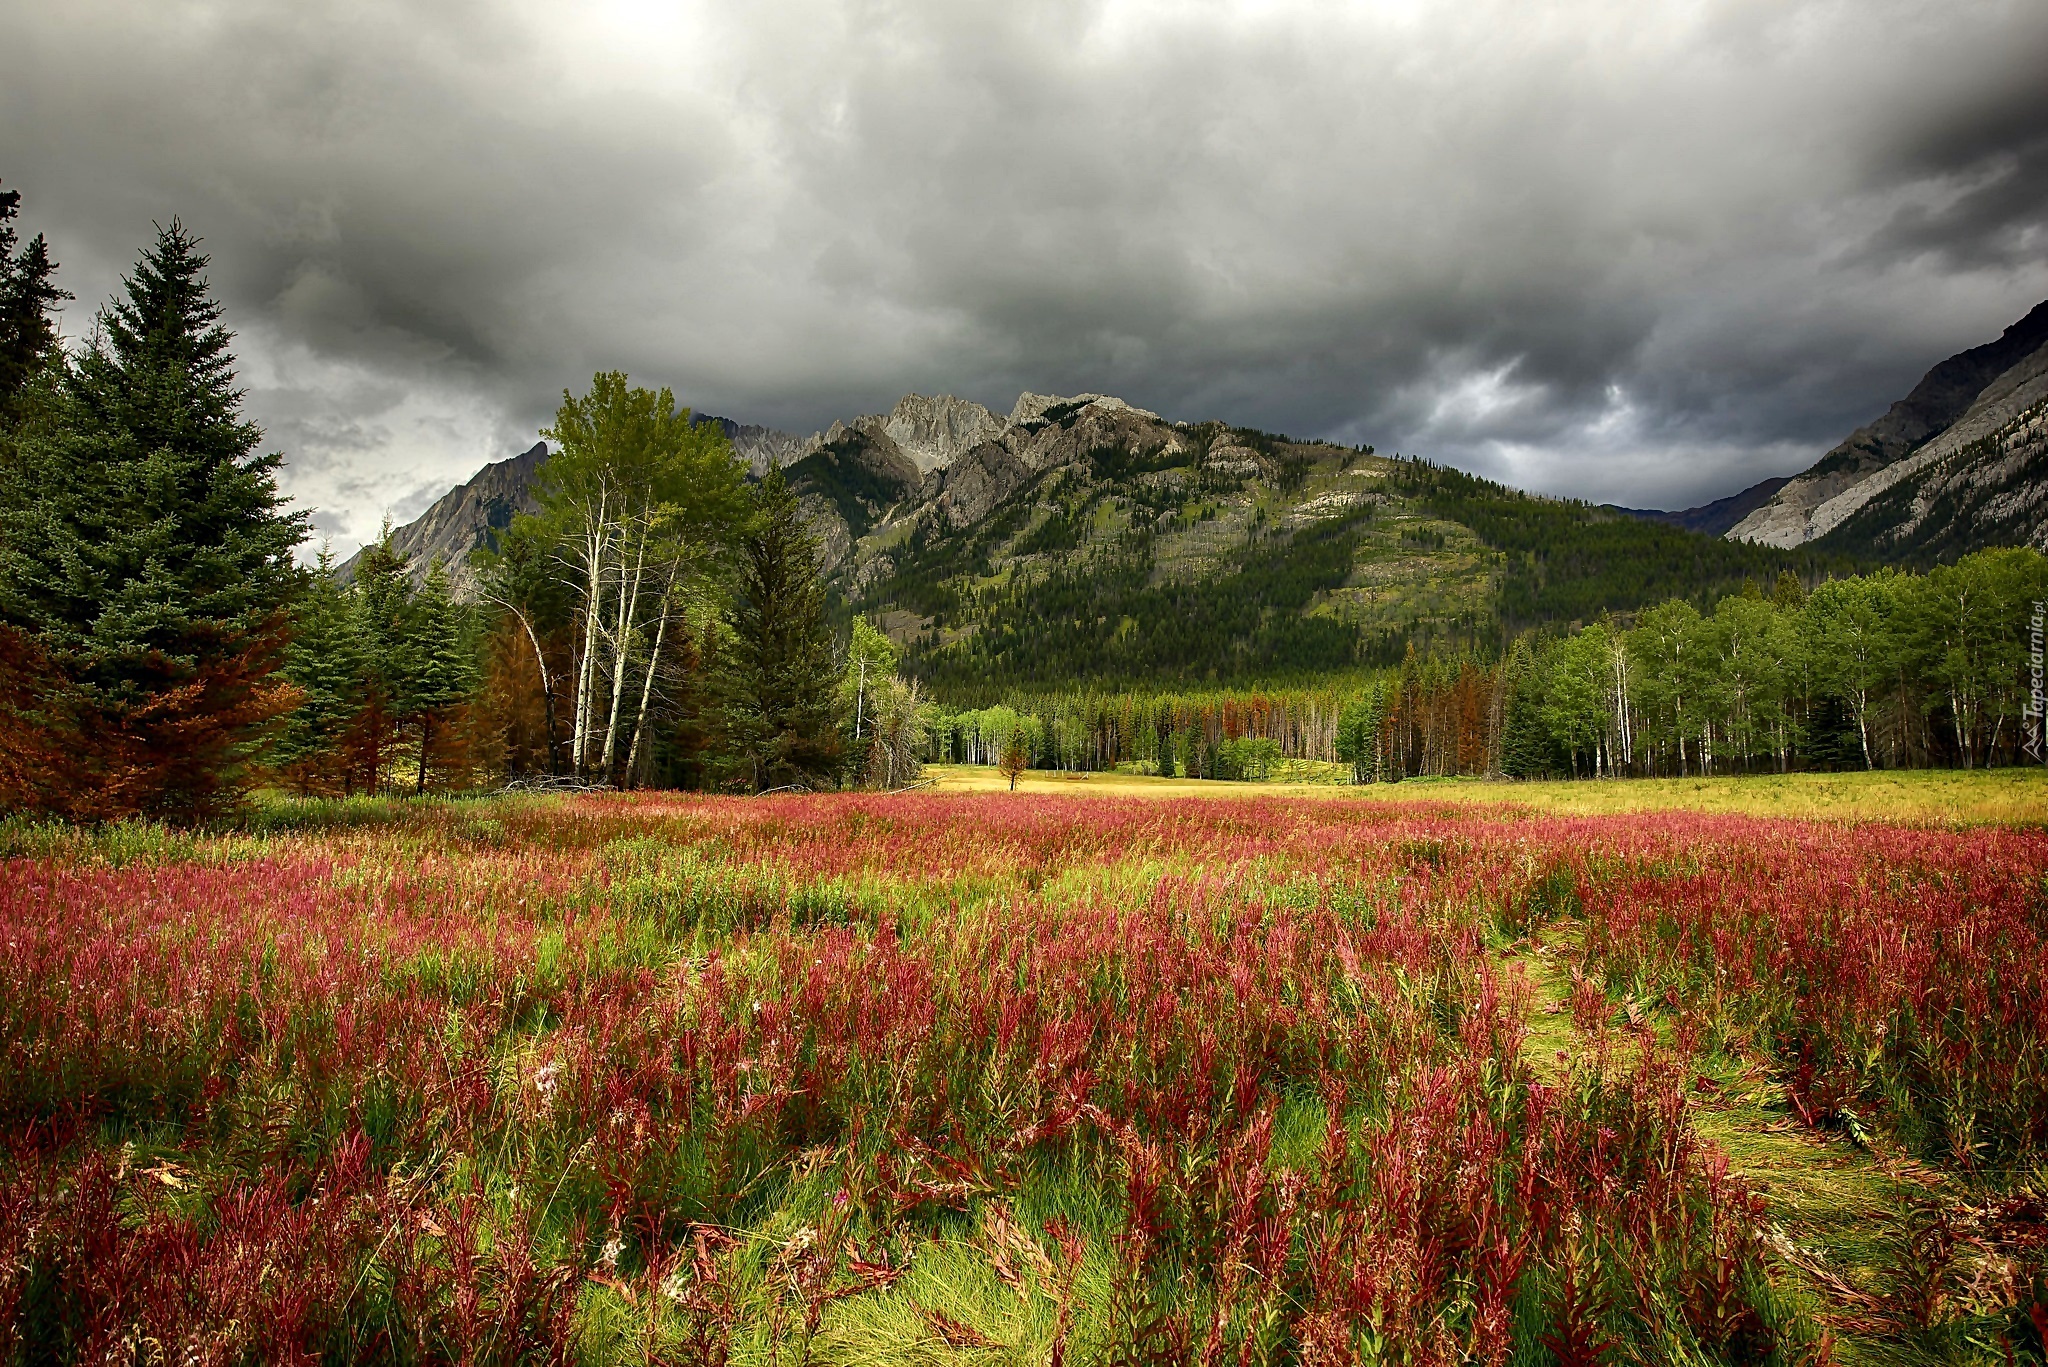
[{"x": 1644, "y": 253}]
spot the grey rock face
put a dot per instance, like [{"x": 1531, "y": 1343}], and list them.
[
  {"x": 970, "y": 488},
  {"x": 1956, "y": 404},
  {"x": 942, "y": 455},
  {"x": 462, "y": 519},
  {"x": 935, "y": 432},
  {"x": 1983, "y": 481},
  {"x": 762, "y": 448}
]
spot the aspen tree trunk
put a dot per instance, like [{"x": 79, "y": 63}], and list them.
[
  {"x": 653, "y": 659},
  {"x": 629, "y": 603},
  {"x": 593, "y": 607},
  {"x": 646, "y": 694}
]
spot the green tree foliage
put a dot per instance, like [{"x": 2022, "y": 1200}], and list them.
[
  {"x": 441, "y": 652},
  {"x": 1566, "y": 560},
  {"x": 387, "y": 672},
  {"x": 326, "y": 663},
  {"x": 1576, "y": 699},
  {"x": 29, "y": 297},
  {"x": 1671, "y": 675},
  {"x": 1111, "y": 618},
  {"x": 518, "y": 575},
  {"x": 1888, "y": 670},
  {"x": 1115, "y": 570},
  {"x": 636, "y": 500},
  {"x": 781, "y": 686},
  {"x": 1961, "y": 632},
  {"x": 1853, "y": 634},
  {"x": 871, "y": 659},
  {"x": 1360, "y": 731},
  {"x": 146, "y": 547},
  {"x": 1526, "y": 747}
]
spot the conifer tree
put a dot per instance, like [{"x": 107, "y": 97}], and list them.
[
  {"x": 1358, "y": 734},
  {"x": 782, "y": 698},
  {"x": 443, "y": 673},
  {"x": 325, "y": 662},
  {"x": 28, "y": 304},
  {"x": 1524, "y": 743},
  {"x": 381, "y": 609},
  {"x": 147, "y": 548}
]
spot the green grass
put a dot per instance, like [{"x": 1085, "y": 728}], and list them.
[
  {"x": 1846, "y": 1216},
  {"x": 2012, "y": 797}
]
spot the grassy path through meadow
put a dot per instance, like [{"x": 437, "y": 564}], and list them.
[{"x": 1862, "y": 1234}]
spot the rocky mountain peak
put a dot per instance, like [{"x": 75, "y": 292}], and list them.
[
  {"x": 461, "y": 519},
  {"x": 935, "y": 432},
  {"x": 1954, "y": 465},
  {"x": 1033, "y": 407}
]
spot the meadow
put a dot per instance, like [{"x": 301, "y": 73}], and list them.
[{"x": 1064, "y": 1076}]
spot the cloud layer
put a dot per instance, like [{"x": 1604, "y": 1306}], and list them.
[{"x": 1645, "y": 254}]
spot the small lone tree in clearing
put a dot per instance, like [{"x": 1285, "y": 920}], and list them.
[{"x": 1016, "y": 759}]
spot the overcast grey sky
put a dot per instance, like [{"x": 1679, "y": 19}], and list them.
[{"x": 1638, "y": 252}]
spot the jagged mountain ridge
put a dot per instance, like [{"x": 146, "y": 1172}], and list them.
[
  {"x": 1956, "y": 465},
  {"x": 1088, "y": 539},
  {"x": 1094, "y": 541},
  {"x": 927, "y": 433},
  {"x": 463, "y": 519}
]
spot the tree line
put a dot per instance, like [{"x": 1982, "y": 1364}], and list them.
[
  {"x": 660, "y": 620},
  {"x": 1887, "y": 670}
]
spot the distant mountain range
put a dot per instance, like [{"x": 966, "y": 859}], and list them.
[
  {"x": 1091, "y": 541},
  {"x": 1716, "y": 518},
  {"x": 1080, "y": 537},
  {"x": 1959, "y": 463}
]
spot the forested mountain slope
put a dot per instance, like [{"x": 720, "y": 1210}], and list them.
[
  {"x": 1093, "y": 541},
  {"x": 1957, "y": 465},
  {"x": 1081, "y": 539}
]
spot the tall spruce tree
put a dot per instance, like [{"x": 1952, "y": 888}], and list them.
[
  {"x": 443, "y": 659},
  {"x": 28, "y": 306},
  {"x": 147, "y": 548},
  {"x": 782, "y": 697},
  {"x": 381, "y": 603},
  {"x": 326, "y": 663}
]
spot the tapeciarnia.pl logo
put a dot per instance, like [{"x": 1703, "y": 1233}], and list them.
[{"x": 2032, "y": 712}]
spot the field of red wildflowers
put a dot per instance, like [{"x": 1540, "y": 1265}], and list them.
[{"x": 924, "y": 1078}]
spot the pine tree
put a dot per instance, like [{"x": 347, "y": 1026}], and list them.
[
  {"x": 381, "y": 608},
  {"x": 1358, "y": 734},
  {"x": 782, "y": 700},
  {"x": 28, "y": 303},
  {"x": 443, "y": 660},
  {"x": 325, "y": 663},
  {"x": 1525, "y": 750},
  {"x": 148, "y": 550}
]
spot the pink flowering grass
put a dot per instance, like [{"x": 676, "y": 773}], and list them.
[{"x": 836, "y": 1078}]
